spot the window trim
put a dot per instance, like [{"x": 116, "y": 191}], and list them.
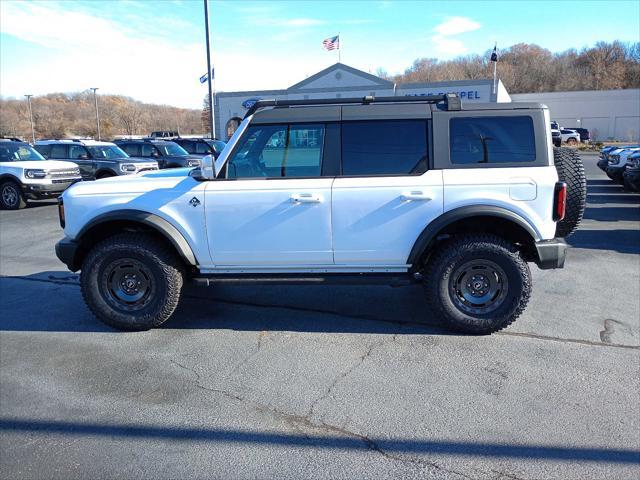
[
  {"x": 223, "y": 173},
  {"x": 389, "y": 120}
]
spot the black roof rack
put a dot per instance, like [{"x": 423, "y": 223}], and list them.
[
  {"x": 13, "y": 139},
  {"x": 451, "y": 101}
]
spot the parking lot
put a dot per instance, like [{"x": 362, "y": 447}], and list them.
[{"x": 311, "y": 381}]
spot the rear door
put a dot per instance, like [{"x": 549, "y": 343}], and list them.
[
  {"x": 386, "y": 194},
  {"x": 80, "y": 155}
]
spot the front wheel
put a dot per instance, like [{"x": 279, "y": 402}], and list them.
[
  {"x": 132, "y": 281},
  {"x": 11, "y": 196},
  {"x": 477, "y": 284}
]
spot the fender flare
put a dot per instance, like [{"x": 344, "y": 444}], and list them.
[
  {"x": 10, "y": 176},
  {"x": 151, "y": 220},
  {"x": 431, "y": 231}
]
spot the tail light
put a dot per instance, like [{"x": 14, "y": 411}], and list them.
[
  {"x": 61, "y": 211},
  {"x": 559, "y": 201}
]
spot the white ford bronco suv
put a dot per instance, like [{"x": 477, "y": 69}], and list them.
[
  {"x": 27, "y": 175},
  {"x": 414, "y": 189}
]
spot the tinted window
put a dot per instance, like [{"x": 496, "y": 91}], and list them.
[
  {"x": 148, "y": 150},
  {"x": 171, "y": 148},
  {"x": 58, "y": 151},
  {"x": 278, "y": 151},
  {"x": 203, "y": 147},
  {"x": 43, "y": 149},
  {"x": 492, "y": 140},
  {"x": 12, "y": 152},
  {"x": 391, "y": 147},
  {"x": 187, "y": 145},
  {"x": 76, "y": 151},
  {"x": 131, "y": 149}
]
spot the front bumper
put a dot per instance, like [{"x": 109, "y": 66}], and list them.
[
  {"x": 46, "y": 190},
  {"x": 66, "y": 251},
  {"x": 631, "y": 177},
  {"x": 603, "y": 163},
  {"x": 551, "y": 253},
  {"x": 615, "y": 173}
]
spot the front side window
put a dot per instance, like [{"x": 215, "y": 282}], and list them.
[
  {"x": 203, "y": 147},
  {"x": 107, "y": 152},
  {"x": 171, "y": 148},
  {"x": 384, "y": 147},
  {"x": 148, "y": 150},
  {"x": 492, "y": 140},
  {"x": 18, "y": 153},
  {"x": 77, "y": 152},
  {"x": 279, "y": 151}
]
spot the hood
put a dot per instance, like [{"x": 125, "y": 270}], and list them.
[
  {"x": 45, "y": 164},
  {"x": 133, "y": 184}
]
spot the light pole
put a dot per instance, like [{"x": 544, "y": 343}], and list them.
[
  {"x": 209, "y": 73},
  {"x": 95, "y": 98},
  {"x": 33, "y": 132}
]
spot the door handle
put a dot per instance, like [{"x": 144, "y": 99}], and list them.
[
  {"x": 305, "y": 198},
  {"x": 415, "y": 195}
]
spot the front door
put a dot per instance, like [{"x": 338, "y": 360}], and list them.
[
  {"x": 272, "y": 211},
  {"x": 80, "y": 155}
]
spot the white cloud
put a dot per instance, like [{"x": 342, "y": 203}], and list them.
[
  {"x": 456, "y": 26},
  {"x": 444, "y": 40}
]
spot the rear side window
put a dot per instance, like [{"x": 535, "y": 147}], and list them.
[
  {"x": 131, "y": 149},
  {"x": 43, "y": 149},
  {"x": 203, "y": 147},
  {"x": 492, "y": 140},
  {"x": 58, "y": 151},
  {"x": 384, "y": 147}
]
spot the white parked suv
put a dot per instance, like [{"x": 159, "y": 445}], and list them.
[
  {"x": 413, "y": 189},
  {"x": 570, "y": 137},
  {"x": 26, "y": 175}
]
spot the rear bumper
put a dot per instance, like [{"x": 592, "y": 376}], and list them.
[
  {"x": 66, "y": 251},
  {"x": 551, "y": 253}
]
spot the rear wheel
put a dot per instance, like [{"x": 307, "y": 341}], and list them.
[
  {"x": 477, "y": 283},
  {"x": 132, "y": 281},
  {"x": 571, "y": 171},
  {"x": 11, "y": 196}
]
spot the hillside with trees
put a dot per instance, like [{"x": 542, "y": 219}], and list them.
[
  {"x": 528, "y": 68},
  {"x": 60, "y": 115}
]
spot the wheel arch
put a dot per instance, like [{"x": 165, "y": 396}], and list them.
[
  {"x": 111, "y": 223},
  {"x": 9, "y": 176},
  {"x": 102, "y": 171},
  {"x": 476, "y": 219}
]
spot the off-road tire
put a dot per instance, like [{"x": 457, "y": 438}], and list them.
[
  {"x": 161, "y": 268},
  {"x": 458, "y": 252},
  {"x": 571, "y": 171},
  {"x": 11, "y": 196}
]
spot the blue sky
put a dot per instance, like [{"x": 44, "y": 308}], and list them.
[{"x": 154, "y": 50}]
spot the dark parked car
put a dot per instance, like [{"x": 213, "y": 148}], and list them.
[
  {"x": 167, "y": 154},
  {"x": 585, "y": 136},
  {"x": 95, "y": 159},
  {"x": 164, "y": 134},
  {"x": 631, "y": 175},
  {"x": 201, "y": 146}
]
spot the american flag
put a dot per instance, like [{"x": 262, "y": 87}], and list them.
[{"x": 331, "y": 43}]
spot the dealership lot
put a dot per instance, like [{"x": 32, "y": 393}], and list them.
[{"x": 272, "y": 381}]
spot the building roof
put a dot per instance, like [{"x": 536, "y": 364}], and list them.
[{"x": 338, "y": 70}]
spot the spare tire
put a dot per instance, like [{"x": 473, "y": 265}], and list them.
[{"x": 571, "y": 171}]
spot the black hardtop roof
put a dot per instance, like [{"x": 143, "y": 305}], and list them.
[{"x": 447, "y": 102}]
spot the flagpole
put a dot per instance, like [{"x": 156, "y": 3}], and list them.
[
  {"x": 209, "y": 80},
  {"x": 339, "y": 47}
]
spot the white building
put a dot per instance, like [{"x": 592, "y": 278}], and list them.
[{"x": 607, "y": 114}]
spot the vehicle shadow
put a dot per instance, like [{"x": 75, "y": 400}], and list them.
[
  {"x": 618, "y": 240},
  {"x": 345, "y": 442},
  {"x": 315, "y": 309}
]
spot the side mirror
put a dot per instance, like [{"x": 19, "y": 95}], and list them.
[
  {"x": 84, "y": 156},
  {"x": 155, "y": 154},
  {"x": 207, "y": 167}
]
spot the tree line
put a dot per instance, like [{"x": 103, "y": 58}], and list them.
[
  {"x": 60, "y": 115},
  {"x": 529, "y": 68}
]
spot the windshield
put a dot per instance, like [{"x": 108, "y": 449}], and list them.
[
  {"x": 217, "y": 145},
  {"x": 107, "y": 151},
  {"x": 18, "y": 152},
  {"x": 171, "y": 149}
]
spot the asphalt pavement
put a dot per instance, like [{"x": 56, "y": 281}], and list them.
[{"x": 325, "y": 382}]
